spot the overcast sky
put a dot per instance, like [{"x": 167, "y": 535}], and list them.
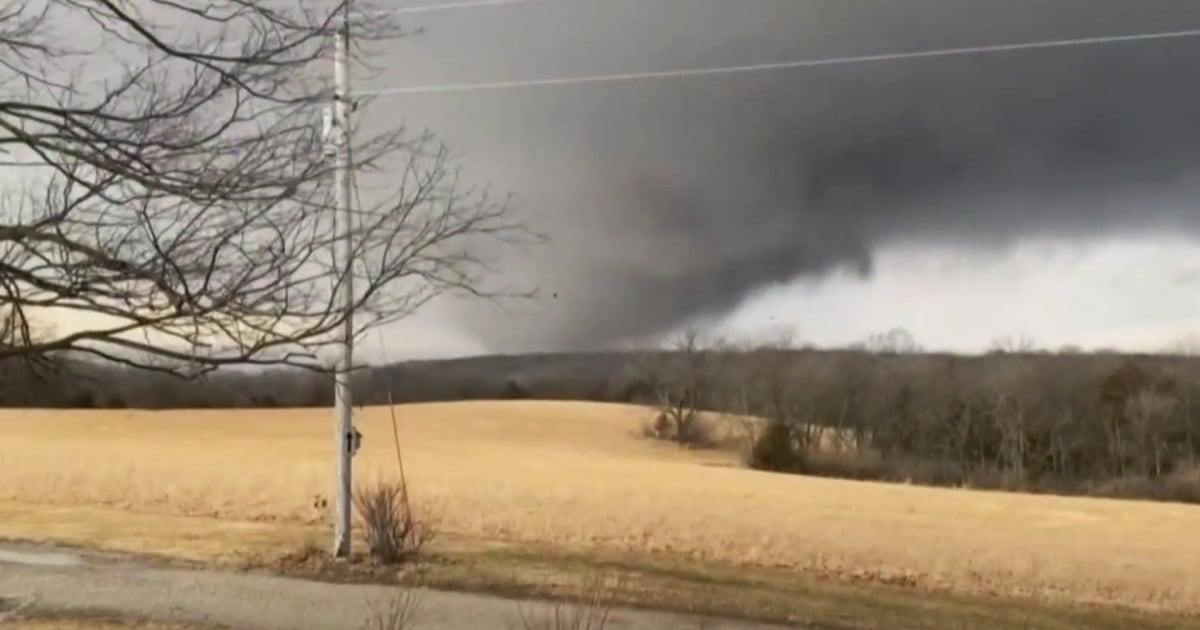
[{"x": 1046, "y": 193}]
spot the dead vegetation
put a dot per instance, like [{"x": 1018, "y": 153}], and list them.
[
  {"x": 1124, "y": 427},
  {"x": 398, "y": 611},
  {"x": 684, "y": 383},
  {"x": 394, "y": 527},
  {"x": 589, "y": 607},
  {"x": 1128, "y": 428},
  {"x": 59, "y": 623}
]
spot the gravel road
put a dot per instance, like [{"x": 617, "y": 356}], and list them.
[{"x": 65, "y": 582}]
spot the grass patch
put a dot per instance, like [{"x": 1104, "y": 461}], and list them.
[
  {"x": 763, "y": 595},
  {"x": 98, "y": 620},
  {"x": 657, "y": 581},
  {"x": 50, "y": 623},
  {"x": 208, "y": 541}
]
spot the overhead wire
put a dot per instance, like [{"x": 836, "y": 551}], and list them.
[
  {"x": 446, "y": 6},
  {"x": 780, "y": 65}
]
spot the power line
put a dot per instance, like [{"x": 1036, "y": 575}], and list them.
[
  {"x": 446, "y": 6},
  {"x": 781, "y": 65}
]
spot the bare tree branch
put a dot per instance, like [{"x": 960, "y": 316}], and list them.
[{"x": 185, "y": 200}]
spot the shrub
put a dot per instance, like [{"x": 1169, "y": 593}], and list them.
[
  {"x": 587, "y": 609},
  {"x": 687, "y": 430},
  {"x": 775, "y": 449},
  {"x": 514, "y": 390},
  {"x": 1180, "y": 486},
  {"x": 395, "y": 532},
  {"x": 858, "y": 466},
  {"x": 83, "y": 400},
  {"x": 659, "y": 428},
  {"x": 266, "y": 400},
  {"x": 321, "y": 396},
  {"x": 396, "y": 613}
]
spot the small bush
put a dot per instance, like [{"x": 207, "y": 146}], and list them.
[
  {"x": 265, "y": 401},
  {"x": 688, "y": 430},
  {"x": 775, "y": 450},
  {"x": 514, "y": 390},
  {"x": 1180, "y": 486},
  {"x": 396, "y": 613},
  {"x": 319, "y": 396},
  {"x": 659, "y": 428},
  {"x": 694, "y": 433},
  {"x": 588, "y": 609},
  {"x": 857, "y": 466},
  {"x": 83, "y": 400},
  {"x": 395, "y": 532}
]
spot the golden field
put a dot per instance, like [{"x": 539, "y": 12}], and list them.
[{"x": 575, "y": 476}]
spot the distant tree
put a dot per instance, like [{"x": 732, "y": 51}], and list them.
[
  {"x": 83, "y": 400},
  {"x": 684, "y": 383},
  {"x": 265, "y": 400},
  {"x": 1019, "y": 344},
  {"x": 320, "y": 395},
  {"x": 894, "y": 341},
  {"x": 514, "y": 390},
  {"x": 1187, "y": 346}
]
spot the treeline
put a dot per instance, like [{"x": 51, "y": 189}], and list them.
[
  {"x": 598, "y": 376},
  {"x": 1116, "y": 426}
]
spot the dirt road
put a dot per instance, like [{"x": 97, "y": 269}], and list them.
[{"x": 55, "y": 581}]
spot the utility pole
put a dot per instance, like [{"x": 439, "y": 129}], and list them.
[{"x": 346, "y": 438}]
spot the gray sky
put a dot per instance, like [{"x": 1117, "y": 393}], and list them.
[{"x": 1047, "y": 193}]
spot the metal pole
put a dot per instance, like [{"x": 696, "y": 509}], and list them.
[{"x": 344, "y": 254}]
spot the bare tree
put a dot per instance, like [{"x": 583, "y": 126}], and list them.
[
  {"x": 684, "y": 384},
  {"x": 894, "y": 341},
  {"x": 1151, "y": 416},
  {"x": 1185, "y": 346},
  {"x": 179, "y": 198},
  {"x": 1009, "y": 344}
]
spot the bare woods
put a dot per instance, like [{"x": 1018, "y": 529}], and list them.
[{"x": 1107, "y": 425}]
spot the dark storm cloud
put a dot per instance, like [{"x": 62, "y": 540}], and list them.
[{"x": 677, "y": 199}]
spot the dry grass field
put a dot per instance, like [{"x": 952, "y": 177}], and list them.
[{"x": 576, "y": 477}]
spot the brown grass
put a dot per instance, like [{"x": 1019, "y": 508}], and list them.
[
  {"x": 575, "y": 477},
  {"x": 589, "y": 608},
  {"x": 95, "y": 624}
]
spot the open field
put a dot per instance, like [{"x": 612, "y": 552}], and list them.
[{"x": 572, "y": 478}]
